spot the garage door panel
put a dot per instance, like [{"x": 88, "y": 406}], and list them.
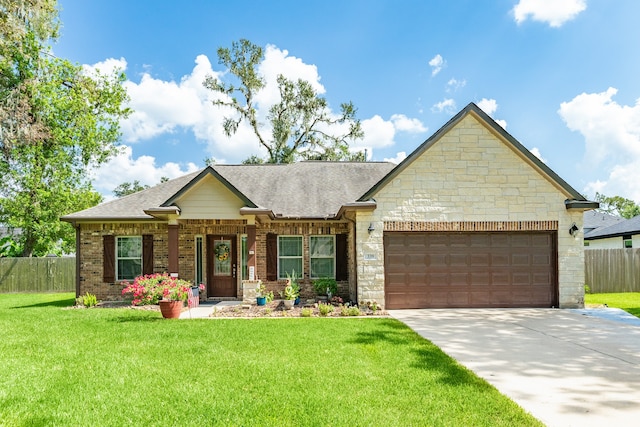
[{"x": 483, "y": 269}]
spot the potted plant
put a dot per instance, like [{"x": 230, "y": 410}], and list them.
[
  {"x": 174, "y": 293},
  {"x": 326, "y": 286},
  {"x": 263, "y": 296},
  {"x": 291, "y": 291}
]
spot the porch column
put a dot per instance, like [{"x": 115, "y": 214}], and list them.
[
  {"x": 173, "y": 248},
  {"x": 251, "y": 249}
]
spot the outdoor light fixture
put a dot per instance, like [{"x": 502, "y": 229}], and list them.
[
  {"x": 370, "y": 229},
  {"x": 574, "y": 230}
]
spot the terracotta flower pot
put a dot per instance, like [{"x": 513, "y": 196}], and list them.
[{"x": 170, "y": 309}]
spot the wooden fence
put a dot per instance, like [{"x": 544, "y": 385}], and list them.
[
  {"x": 50, "y": 274},
  {"x": 612, "y": 270}
]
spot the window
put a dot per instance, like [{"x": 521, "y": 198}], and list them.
[
  {"x": 128, "y": 257},
  {"x": 244, "y": 258},
  {"x": 322, "y": 256},
  {"x": 627, "y": 242},
  {"x": 199, "y": 255},
  {"x": 289, "y": 256}
]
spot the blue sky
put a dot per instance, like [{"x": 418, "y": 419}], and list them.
[{"x": 561, "y": 75}]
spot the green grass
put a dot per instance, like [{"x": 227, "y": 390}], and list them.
[
  {"x": 119, "y": 367},
  {"x": 628, "y": 301}
]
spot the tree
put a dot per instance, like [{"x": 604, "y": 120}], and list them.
[
  {"x": 617, "y": 205},
  {"x": 57, "y": 122},
  {"x": 127, "y": 188},
  {"x": 301, "y": 125}
]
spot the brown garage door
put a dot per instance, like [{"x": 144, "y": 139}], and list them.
[{"x": 479, "y": 269}]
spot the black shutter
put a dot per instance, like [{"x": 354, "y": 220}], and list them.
[
  {"x": 272, "y": 256},
  {"x": 108, "y": 259},
  {"x": 342, "y": 259},
  {"x": 147, "y": 254}
]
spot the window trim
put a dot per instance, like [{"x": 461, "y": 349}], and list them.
[
  {"x": 332, "y": 257},
  {"x": 118, "y": 258},
  {"x": 300, "y": 257}
]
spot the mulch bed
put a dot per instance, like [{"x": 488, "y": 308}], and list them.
[
  {"x": 277, "y": 309},
  {"x": 272, "y": 309}
]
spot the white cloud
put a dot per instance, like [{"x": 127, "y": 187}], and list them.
[
  {"x": 536, "y": 152},
  {"x": 453, "y": 85},
  {"x": 162, "y": 107},
  {"x": 490, "y": 106},
  {"x": 447, "y": 105},
  {"x": 436, "y": 63},
  {"x": 379, "y": 132},
  {"x": 124, "y": 168},
  {"x": 403, "y": 123},
  {"x": 553, "y": 12},
  {"x": 107, "y": 66},
  {"x": 400, "y": 156},
  {"x": 612, "y": 140}
]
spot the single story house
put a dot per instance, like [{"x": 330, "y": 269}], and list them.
[
  {"x": 624, "y": 233},
  {"x": 469, "y": 219}
]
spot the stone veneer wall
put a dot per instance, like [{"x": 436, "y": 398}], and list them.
[{"x": 469, "y": 176}]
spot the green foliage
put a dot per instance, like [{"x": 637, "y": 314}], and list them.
[
  {"x": 127, "y": 188},
  {"x": 306, "y": 312},
  {"x": 301, "y": 122},
  {"x": 57, "y": 122},
  {"x": 261, "y": 291},
  {"x": 87, "y": 300},
  {"x": 325, "y": 309},
  {"x": 253, "y": 160},
  {"x": 325, "y": 285},
  {"x": 617, "y": 205},
  {"x": 292, "y": 290},
  {"x": 587, "y": 289}
]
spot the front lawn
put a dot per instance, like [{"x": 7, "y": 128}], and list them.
[
  {"x": 131, "y": 367},
  {"x": 628, "y": 301}
]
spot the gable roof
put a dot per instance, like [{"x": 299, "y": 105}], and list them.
[
  {"x": 297, "y": 190},
  {"x": 575, "y": 199},
  {"x": 625, "y": 227}
]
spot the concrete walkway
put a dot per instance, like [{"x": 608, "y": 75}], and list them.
[
  {"x": 204, "y": 310},
  {"x": 565, "y": 367}
]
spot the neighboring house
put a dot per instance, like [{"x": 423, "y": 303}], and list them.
[
  {"x": 470, "y": 219},
  {"x": 595, "y": 219},
  {"x": 624, "y": 233}
]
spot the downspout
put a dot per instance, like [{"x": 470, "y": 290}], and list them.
[{"x": 78, "y": 255}]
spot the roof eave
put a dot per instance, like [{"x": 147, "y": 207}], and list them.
[
  {"x": 581, "y": 205},
  {"x": 368, "y": 205}
]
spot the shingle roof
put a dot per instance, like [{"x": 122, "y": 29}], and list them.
[
  {"x": 594, "y": 220},
  {"x": 628, "y": 226},
  {"x": 297, "y": 190}
]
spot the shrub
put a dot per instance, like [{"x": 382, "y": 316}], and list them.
[
  {"x": 587, "y": 289},
  {"x": 87, "y": 300},
  {"x": 325, "y": 285},
  {"x": 325, "y": 309},
  {"x": 305, "y": 312},
  {"x": 353, "y": 311}
]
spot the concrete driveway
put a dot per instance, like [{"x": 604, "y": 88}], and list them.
[{"x": 565, "y": 367}]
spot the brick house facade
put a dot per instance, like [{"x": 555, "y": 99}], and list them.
[{"x": 470, "y": 219}]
